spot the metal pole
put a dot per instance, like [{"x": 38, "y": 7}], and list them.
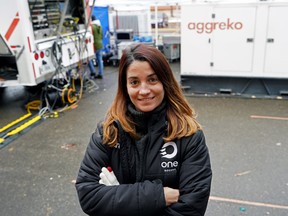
[
  {"x": 62, "y": 17},
  {"x": 156, "y": 25}
]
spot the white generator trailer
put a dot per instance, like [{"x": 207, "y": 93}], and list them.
[
  {"x": 45, "y": 41},
  {"x": 236, "y": 48}
]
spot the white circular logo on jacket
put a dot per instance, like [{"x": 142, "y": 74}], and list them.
[{"x": 169, "y": 154}]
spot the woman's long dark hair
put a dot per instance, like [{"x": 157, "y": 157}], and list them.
[{"x": 180, "y": 115}]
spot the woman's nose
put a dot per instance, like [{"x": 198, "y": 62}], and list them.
[{"x": 144, "y": 89}]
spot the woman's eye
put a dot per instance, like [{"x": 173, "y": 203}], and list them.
[
  {"x": 133, "y": 82},
  {"x": 153, "y": 80}
]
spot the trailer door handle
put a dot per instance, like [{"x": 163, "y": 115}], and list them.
[
  {"x": 250, "y": 40},
  {"x": 270, "y": 40}
]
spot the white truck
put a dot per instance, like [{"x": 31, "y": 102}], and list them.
[
  {"x": 238, "y": 48},
  {"x": 44, "y": 41}
]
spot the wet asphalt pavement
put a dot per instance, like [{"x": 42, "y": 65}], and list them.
[{"x": 249, "y": 153}]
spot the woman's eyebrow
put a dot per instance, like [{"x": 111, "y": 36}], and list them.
[
  {"x": 152, "y": 74},
  {"x": 135, "y": 77},
  {"x": 132, "y": 77}
]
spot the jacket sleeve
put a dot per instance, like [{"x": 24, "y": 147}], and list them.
[
  {"x": 143, "y": 198},
  {"x": 194, "y": 178}
]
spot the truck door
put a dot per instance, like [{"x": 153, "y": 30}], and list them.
[
  {"x": 276, "y": 56},
  {"x": 195, "y": 40},
  {"x": 233, "y": 43},
  {"x": 8, "y": 68}
]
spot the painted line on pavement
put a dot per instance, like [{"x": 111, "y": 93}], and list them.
[
  {"x": 243, "y": 202},
  {"x": 270, "y": 117}
]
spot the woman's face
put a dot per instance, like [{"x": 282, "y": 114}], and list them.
[{"x": 144, "y": 88}]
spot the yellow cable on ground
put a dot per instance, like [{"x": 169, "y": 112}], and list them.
[
  {"x": 15, "y": 122},
  {"x": 25, "y": 125},
  {"x": 33, "y": 105}
]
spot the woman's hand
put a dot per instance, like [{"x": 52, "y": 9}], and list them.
[
  {"x": 107, "y": 177},
  {"x": 171, "y": 195}
]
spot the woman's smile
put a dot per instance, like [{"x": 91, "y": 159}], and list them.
[{"x": 146, "y": 99}]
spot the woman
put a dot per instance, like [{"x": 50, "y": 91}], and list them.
[{"x": 153, "y": 143}]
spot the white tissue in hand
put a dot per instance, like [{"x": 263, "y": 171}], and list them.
[{"x": 108, "y": 178}]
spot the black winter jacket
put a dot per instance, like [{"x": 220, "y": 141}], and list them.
[{"x": 149, "y": 165}]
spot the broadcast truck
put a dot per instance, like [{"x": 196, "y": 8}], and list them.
[{"x": 45, "y": 43}]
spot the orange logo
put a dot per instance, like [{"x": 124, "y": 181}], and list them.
[{"x": 209, "y": 27}]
